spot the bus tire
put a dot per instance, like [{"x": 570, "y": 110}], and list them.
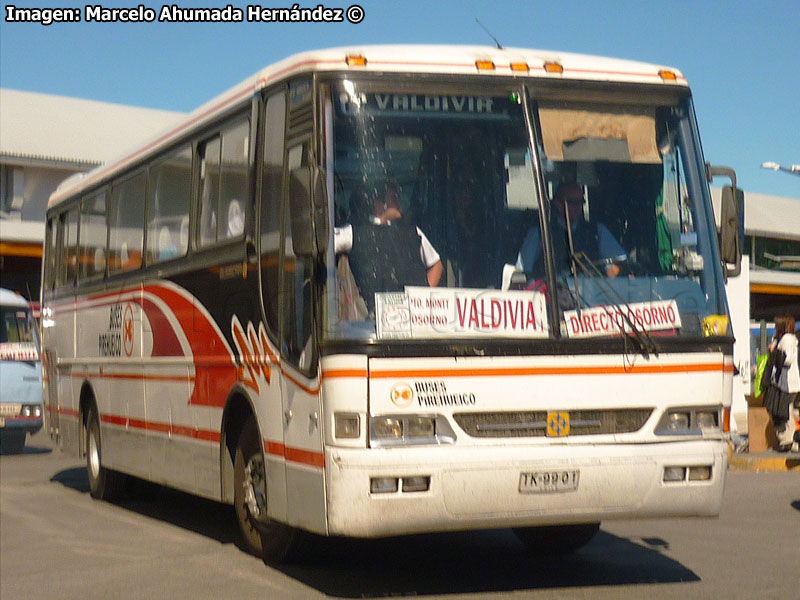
[
  {"x": 12, "y": 442},
  {"x": 273, "y": 541},
  {"x": 104, "y": 484},
  {"x": 556, "y": 539}
]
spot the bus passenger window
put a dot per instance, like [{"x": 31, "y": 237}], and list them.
[
  {"x": 51, "y": 248},
  {"x": 93, "y": 236},
  {"x": 209, "y": 190},
  {"x": 69, "y": 250},
  {"x": 233, "y": 180},
  {"x": 126, "y": 223},
  {"x": 223, "y": 184},
  {"x": 168, "y": 207},
  {"x": 270, "y": 225}
]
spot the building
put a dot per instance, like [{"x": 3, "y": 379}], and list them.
[
  {"x": 43, "y": 140},
  {"x": 772, "y": 247}
]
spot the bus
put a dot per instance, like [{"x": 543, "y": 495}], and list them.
[
  {"x": 309, "y": 300},
  {"x": 20, "y": 373}
]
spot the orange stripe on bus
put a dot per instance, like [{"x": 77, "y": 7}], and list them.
[
  {"x": 522, "y": 371},
  {"x": 343, "y": 373},
  {"x": 297, "y": 455},
  {"x": 155, "y": 426}
]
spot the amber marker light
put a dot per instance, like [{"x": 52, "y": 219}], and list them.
[
  {"x": 356, "y": 60},
  {"x": 553, "y": 67},
  {"x": 519, "y": 67},
  {"x": 484, "y": 65},
  {"x": 667, "y": 75}
]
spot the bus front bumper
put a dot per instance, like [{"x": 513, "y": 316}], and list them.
[{"x": 488, "y": 487}]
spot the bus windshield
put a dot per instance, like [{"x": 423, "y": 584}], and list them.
[
  {"x": 461, "y": 213},
  {"x": 17, "y": 334}
]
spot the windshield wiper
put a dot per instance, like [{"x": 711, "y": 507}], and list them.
[{"x": 645, "y": 341}]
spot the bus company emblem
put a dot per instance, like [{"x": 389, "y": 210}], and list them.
[
  {"x": 118, "y": 338},
  {"x": 557, "y": 424},
  {"x": 127, "y": 331},
  {"x": 402, "y": 395}
]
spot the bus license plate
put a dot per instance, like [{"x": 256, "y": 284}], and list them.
[{"x": 549, "y": 482}]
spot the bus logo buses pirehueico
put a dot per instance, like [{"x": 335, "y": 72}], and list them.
[
  {"x": 119, "y": 336},
  {"x": 429, "y": 393}
]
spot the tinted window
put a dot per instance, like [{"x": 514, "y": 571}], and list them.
[
  {"x": 126, "y": 223},
  {"x": 93, "y": 236},
  {"x": 168, "y": 206}
]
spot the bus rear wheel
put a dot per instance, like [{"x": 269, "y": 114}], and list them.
[
  {"x": 104, "y": 484},
  {"x": 273, "y": 541},
  {"x": 556, "y": 539}
]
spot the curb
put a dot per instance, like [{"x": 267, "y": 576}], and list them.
[{"x": 765, "y": 461}]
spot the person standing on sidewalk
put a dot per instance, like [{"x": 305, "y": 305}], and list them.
[{"x": 788, "y": 384}]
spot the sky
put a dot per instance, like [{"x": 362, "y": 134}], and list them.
[{"x": 741, "y": 57}]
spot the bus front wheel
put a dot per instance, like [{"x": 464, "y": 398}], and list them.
[
  {"x": 556, "y": 539},
  {"x": 273, "y": 541}
]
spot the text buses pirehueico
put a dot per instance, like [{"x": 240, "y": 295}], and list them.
[{"x": 351, "y": 296}]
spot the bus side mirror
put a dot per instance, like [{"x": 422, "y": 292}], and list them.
[
  {"x": 731, "y": 217},
  {"x": 731, "y": 229},
  {"x": 308, "y": 208}
]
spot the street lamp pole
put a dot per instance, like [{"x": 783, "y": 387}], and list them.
[{"x": 793, "y": 169}]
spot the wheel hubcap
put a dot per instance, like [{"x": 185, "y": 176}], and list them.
[
  {"x": 254, "y": 489},
  {"x": 94, "y": 454}
]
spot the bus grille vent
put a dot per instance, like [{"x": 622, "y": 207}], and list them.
[{"x": 534, "y": 423}]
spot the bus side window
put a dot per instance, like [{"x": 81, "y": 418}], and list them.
[
  {"x": 297, "y": 343},
  {"x": 69, "y": 248},
  {"x": 126, "y": 223},
  {"x": 93, "y": 236},
  {"x": 51, "y": 245},
  {"x": 209, "y": 190},
  {"x": 223, "y": 184},
  {"x": 271, "y": 185},
  {"x": 233, "y": 181},
  {"x": 168, "y": 206}
]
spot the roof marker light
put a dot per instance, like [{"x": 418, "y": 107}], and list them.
[
  {"x": 553, "y": 67},
  {"x": 667, "y": 75},
  {"x": 356, "y": 60},
  {"x": 519, "y": 67},
  {"x": 484, "y": 65}
]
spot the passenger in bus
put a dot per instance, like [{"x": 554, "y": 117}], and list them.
[
  {"x": 385, "y": 252},
  {"x": 592, "y": 239}
]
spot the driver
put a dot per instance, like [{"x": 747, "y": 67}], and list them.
[{"x": 592, "y": 239}]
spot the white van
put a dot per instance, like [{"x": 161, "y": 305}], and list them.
[{"x": 20, "y": 373}]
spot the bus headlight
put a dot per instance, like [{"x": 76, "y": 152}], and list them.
[
  {"x": 347, "y": 426},
  {"x": 707, "y": 420},
  {"x": 386, "y": 428},
  {"x": 396, "y": 430},
  {"x": 689, "y": 421},
  {"x": 31, "y": 410},
  {"x": 678, "y": 421},
  {"x": 421, "y": 427}
]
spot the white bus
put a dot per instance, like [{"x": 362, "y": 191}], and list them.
[
  {"x": 343, "y": 297},
  {"x": 20, "y": 373}
]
